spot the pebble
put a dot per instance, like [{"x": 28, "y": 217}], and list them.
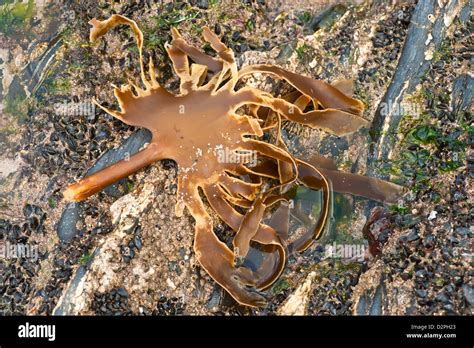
[
  {"x": 421, "y": 292},
  {"x": 449, "y": 307},
  {"x": 412, "y": 236},
  {"x": 453, "y": 239},
  {"x": 421, "y": 273},
  {"x": 235, "y": 35},
  {"x": 429, "y": 241},
  {"x": 468, "y": 294},
  {"x": 203, "y": 4},
  {"x": 138, "y": 243},
  {"x": 432, "y": 215},
  {"x": 122, "y": 292},
  {"x": 463, "y": 231}
]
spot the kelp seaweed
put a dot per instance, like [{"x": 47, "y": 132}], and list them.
[{"x": 193, "y": 126}]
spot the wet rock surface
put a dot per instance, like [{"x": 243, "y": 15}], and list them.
[
  {"x": 424, "y": 268},
  {"x": 124, "y": 252}
]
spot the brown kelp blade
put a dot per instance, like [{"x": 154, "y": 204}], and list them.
[
  {"x": 250, "y": 224},
  {"x": 314, "y": 179},
  {"x": 330, "y": 120},
  {"x": 197, "y": 55},
  {"x": 358, "y": 185},
  {"x": 272, "y": 266},
  {"x": 320, "y": 161},
  {"x": 276, "y": 255},
  {"x": 327, "y": 95},
  {"x": 218, "y": 261},
  {"x": 215, "y": 256},
  {"x": 248, "y": 229},
  {"x": 274, "y": 262},
  {"x": 237, "y": 187},
  {"x": 308, "y": 176},
  {"x": 100, "y": 28},
  {"x": 364, "y": 186},
  {"x": 280, "y": 220},
  {"x": 345, "y": 86}
]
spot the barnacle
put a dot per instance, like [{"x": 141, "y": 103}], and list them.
[{"x": 195, "y": 125}]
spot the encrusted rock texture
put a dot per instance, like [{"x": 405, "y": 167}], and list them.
[{"x": 130, "y": 255}]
